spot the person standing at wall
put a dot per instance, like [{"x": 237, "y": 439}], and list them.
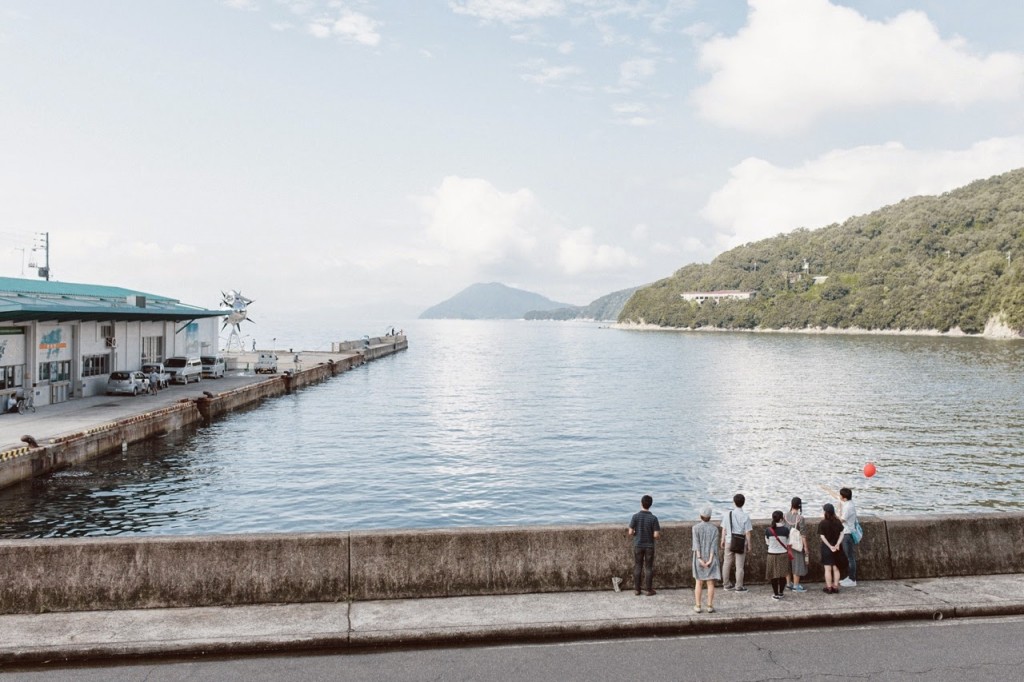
[
  {"x": 776, "y": 567},
  {"x": 736, "y": 523},
  {"x": 644, "y": 529},
  {"x": 848, "y": 515},
  {"x": 830, "y": 531},
  {"x": 798, "y": 543},
  {"x": 705, "y": 559}
]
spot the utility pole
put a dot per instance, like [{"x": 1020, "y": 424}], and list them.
[{"x": 44, "y": 271}]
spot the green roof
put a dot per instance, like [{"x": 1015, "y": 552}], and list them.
[{"x": 27, "y": 299}]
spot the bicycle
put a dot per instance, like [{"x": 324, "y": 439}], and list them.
[{"x": 26, "y": 405}]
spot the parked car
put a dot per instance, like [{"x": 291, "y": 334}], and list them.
[
  {"x": 183, "y": 369},
  {"x": 161, "y": 373},
  {"x": 132, "y": 383},
  {"x": 266, "y": 363},
  {"x": 213, "y": 366}
]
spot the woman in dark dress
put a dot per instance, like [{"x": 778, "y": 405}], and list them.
[{"x": 829, "y": 530}]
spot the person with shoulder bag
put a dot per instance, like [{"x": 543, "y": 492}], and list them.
[
  {"x": 736, "y": 529},
  {"x": 798, "y": 543},
  {"x": 776, "y": 566}
]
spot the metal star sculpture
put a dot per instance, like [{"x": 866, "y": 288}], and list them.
[{"x": 239, "y": 312}]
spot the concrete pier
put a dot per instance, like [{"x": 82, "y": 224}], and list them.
[{"x": 64, "y": 434}]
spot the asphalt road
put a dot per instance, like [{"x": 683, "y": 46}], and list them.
[{"x": 955, "y": 650}]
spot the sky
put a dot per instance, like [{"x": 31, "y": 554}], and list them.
[{"x": 376, "y": 157}]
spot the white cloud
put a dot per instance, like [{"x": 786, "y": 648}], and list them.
[
  {"x": 241, "y": 4},
  {"x": 320, "y": 30},
  {"x": 350, "y": 26},
  {"x": 578, "y": 254},
  {"x": 761, "y": 200},
  {"x": 634, "y": 72},
  {"x": 472, "y": 220},
  {"x": 543, "y": 73},
  {"x": 632, "y": 113},
  {"x": 508, "y": 11},
  {"x": 796, "y": 60}
]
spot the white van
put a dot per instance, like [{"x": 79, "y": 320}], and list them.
[
  {"x": 184, "y": 370},
  {"x": 213, "y": 366},
  {"x": 266, "y": 363}
]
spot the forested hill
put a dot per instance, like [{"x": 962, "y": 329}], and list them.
[
  {"x": 926, "y": 263},
  {"x": 607, "y": 307}
]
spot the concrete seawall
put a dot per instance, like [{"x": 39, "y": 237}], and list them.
[
  {"x": 129, "y": 573},
  {"x": 51, "y": 454}
]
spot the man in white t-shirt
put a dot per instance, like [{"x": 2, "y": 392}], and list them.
[
  {"x": 848, "y": 515},
  {"x": 740, "y": 521}
]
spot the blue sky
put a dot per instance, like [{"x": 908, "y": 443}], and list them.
[{"x": 376, "y": 157}]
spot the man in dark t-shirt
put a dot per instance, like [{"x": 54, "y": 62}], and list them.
[{"x": 644, "y": 529}]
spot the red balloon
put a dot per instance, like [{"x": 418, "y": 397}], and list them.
[{"x": 869, "y": 469}]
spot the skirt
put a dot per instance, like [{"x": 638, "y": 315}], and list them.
[
  {"x": 776, "y": 566},
  {"x": 799, "y": 564}
]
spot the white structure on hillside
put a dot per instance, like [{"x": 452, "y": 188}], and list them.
[{"x": 722, "y": 294}]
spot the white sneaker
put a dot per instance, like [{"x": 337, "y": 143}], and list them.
[{"x": 846, "y": 582}]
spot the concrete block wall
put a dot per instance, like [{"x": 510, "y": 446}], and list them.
[
  {"x": 128, "y": 573},
  {"x": 122, "y": 573}
]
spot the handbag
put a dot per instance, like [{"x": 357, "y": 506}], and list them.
[
  {"x": 788, "y": 550},
  {"x": 738, "y": 541},
  {"x": 796, "y": 539},
  {"x": 858, "y": 533}
]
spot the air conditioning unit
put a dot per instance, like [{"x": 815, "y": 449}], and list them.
[{"x": 111, "y": 342}]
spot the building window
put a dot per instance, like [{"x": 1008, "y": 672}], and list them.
[
  {"x": 12, "y": 376},
  {"x": 94, "y": 365},
  {"x": 59, "y": 370},
  {"x": 106, "y": 331},
  {"x": 152, "y": 349}
]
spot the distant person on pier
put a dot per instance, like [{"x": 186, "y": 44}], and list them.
[
  {"x": 254, "y": 345},
  {"x": 736, "y": 529},
  {"x": 644, "y": 529},
  {"x": 706, "y": 569},
  {"x": 11, "y": 404},
  {"x": 154, "y": 382}
]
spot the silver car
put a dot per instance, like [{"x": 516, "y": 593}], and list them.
[{"x": 132, "y": 383}]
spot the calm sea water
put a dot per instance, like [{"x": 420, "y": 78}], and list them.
[{"x": 510, "y": 422}]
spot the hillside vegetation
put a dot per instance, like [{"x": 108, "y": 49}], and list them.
[
  {"x": 926, "y": 263},
  {"x": 607, "y": 307}
]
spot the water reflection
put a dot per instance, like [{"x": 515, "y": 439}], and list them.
[{"x": 489, "y": 423}]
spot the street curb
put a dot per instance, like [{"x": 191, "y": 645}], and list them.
[{"x": 496, "y": 634}]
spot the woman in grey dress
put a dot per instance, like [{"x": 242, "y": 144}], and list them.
[
  {"x": 798, "y": 541},
  {"x": 705, "y": 559}
]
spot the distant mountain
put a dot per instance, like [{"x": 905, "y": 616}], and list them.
[
  {"x": 607, "y": 307},
  {"x": 492, "y": 301}
]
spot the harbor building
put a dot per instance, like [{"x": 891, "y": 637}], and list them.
[{"x": 61, "y": 340}]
